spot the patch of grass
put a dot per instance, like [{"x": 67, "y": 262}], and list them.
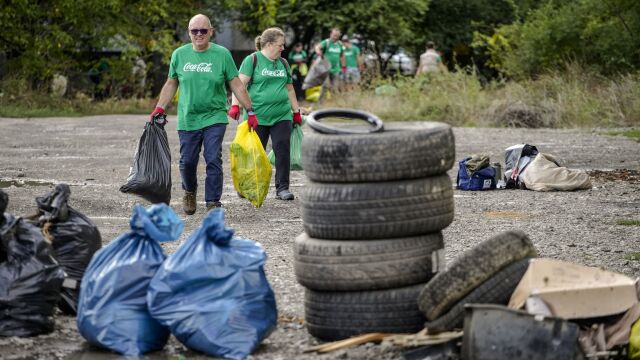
[
  {"x": 634, "y": 134},
  {"x": 573, "y": 98},
  {"x": 633, "y": 256},
  {"x": 628, "y": 222}
]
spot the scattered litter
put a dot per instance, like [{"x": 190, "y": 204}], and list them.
[
  {"x": 544, "y": 173},
  {"x": 573, "y": 291},
  {"x": 493, "y": 332},
  {"x": 347, "y": 343}
]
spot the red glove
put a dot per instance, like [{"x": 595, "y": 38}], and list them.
[
  {"x": 234, "y": 112},
  {"x": 344, "y": 69},
  {"x": 252, "y": 120},
  {"x": 157, "y": 111},
  {"x": 297, "y": 119}
]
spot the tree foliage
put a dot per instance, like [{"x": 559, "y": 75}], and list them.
[
  {"x": 600, "y": 34},
  {"x": 40, "y": 38},
  {"x": 381, "y": 21}
]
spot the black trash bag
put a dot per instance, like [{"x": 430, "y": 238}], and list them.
[
  {"x": 30, "y": 278},
  {"x": 150, "y": 175},
  {"x": 75, "y": 238}
]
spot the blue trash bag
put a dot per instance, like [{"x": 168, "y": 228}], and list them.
[
  {"x": 213, "y": 294},
  {"x": 112, "y": 309}
]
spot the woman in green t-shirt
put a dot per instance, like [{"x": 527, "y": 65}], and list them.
[{"x": 268, "y": 79}]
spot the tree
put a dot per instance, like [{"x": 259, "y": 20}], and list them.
[
  {"x": 40, "y": 38},
  {"x": 380, "y": 21},
  {"x": 601, "y": 34}
]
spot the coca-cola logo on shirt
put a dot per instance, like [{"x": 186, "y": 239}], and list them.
[
  {"x": 202, "y": 67},
  {"x": 276, "y": 73}
]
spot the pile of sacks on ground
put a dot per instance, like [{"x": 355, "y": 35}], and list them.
[
  {"x": 128, "y": 296},
  {"x": 525, "y": 168}
]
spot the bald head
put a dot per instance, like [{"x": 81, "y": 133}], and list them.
[{"x": 200, "y": 20}]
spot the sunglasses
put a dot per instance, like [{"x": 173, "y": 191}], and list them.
[{"x": 199, "y": 31}]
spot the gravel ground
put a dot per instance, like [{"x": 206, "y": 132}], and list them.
[{"x": 93, "y": 155}]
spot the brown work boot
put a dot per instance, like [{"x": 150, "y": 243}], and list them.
[
  {"x": 189, "y": 202},
  {"x": 213, "y": 204}
]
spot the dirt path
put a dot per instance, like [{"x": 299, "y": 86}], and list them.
[{"x": 93, "y": 154}]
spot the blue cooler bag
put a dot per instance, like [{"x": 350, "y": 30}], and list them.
[
  {"x": 213, "y": 294},
  {"x": 112, "y": 309},
  {"x": 483, "y": 179}
]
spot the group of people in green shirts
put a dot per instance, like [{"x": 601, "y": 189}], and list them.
[{"x": 263, "y": 87}]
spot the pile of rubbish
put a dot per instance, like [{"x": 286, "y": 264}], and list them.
[
  {"x": 42, "y": 261},
  {"x": 128, "y": 297},
  {"x": 525, "y": 168},
  {"x": 373, "y": 215}
]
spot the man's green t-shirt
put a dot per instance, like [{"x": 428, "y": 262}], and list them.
[
  {"x": 351, "y": 56},
  {"x": 295, "y": 57},
  {"x": 268, "y": 89},
  {"x": 201, "y": 76},
  {"x": 332, "y": 51}
]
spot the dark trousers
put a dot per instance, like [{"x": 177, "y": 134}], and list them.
[
  {"x": 209, "y": 138},
  {"x": 280, "y": 134}
]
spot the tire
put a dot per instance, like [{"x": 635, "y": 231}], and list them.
[
  {"x": 401, "y": 151},
  {"x": 337, "y": 315},
  {"x": 377, "y": 210},
  {"x": 497, "y": 290},
  {"x": 331, "y": 265},
  {"x": 471, "y": 269}
]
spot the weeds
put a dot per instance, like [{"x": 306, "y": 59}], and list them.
[
  {"x": 633, "y": 256},
  {"x": 627, "y": 222},
  {"x": 573, "y": 98}
]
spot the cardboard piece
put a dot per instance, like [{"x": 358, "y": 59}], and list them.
[{"x": 573, "y": 291}]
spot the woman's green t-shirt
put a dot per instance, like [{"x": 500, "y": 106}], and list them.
[{"x": 268, "y": 89}]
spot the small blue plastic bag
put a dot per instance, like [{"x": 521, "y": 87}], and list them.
[
  {"x": 213, "y": 294},
  {"x": 112, "y": 309}
]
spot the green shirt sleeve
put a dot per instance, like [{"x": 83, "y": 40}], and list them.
[
  {"x": 304, "y": 55},
  {"x": 230, "y": 69},
  {"x": 290, "y": 57},
  {"x": 172, "y": 66},
  {"x": 246, "y": 68}
]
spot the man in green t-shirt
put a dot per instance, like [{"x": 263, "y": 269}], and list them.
[
  {"x": 201, "y": 69},
  {"x": 354, "y": 62},
  {"x": 333, "y": 51}
]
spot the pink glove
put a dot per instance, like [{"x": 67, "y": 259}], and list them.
[
  {"x": 234, "y": 112},
  {"x": 252, "y": 120},
  {"x": 297, "y": 119},
  {"x": 344, "y": 69},
  {"x": 157, "y": 111}
]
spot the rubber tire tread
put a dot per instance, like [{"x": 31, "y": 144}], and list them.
[
  {"x": 471, "y": 269},
  {"x": 365, "y": 211},
  {"x": 497, "y": 290},
  {"x": 331, "y": 265},
  {"x": 337, "y": 315},
  {"x": 402, "y": 151}
]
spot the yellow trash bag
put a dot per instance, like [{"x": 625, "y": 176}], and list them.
[
  {"x": 634, "y": 341},
  {"x": 313, "y": 94},
  {"x": 250, "y": 167}
]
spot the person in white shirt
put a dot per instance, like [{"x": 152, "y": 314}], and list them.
[{"x": 430, "y": 61}]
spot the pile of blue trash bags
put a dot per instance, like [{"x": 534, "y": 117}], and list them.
[{"x": 211, "y": 294}]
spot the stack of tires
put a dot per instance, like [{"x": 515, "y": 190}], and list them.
[{"x": 373, "y": 212}]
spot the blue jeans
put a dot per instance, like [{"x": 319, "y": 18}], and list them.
[{"x": 190, "y": 143}]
